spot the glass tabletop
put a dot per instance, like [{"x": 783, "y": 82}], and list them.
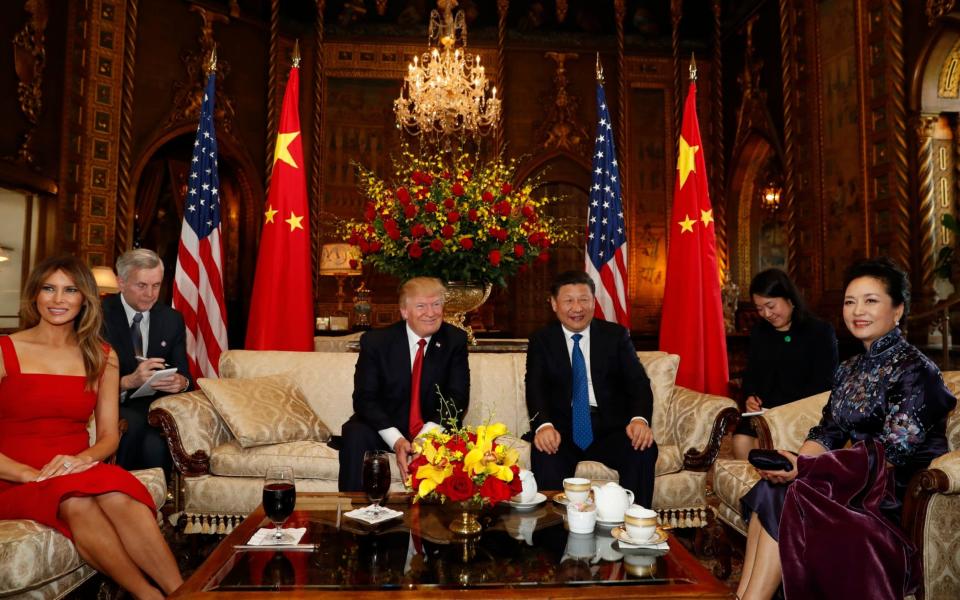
[{"x": 516, "y": 549}]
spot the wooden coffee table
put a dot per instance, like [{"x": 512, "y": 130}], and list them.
[{"x": 518, "y": 555}]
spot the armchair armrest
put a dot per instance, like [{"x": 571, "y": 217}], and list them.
[
  {"x": 941, "y": 477},
  {"x": 785, "y": 427},
  {"x": 700, "y": 421},
  {"x": 192, "y": 428}
]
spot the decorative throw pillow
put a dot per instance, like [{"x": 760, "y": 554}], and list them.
[{"x": 264, "y": 410}]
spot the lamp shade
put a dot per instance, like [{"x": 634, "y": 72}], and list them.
[
  {"x": 335, "y": 259},
  {"x": 106, "y": 280}
]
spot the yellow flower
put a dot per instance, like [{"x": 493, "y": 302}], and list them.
[
  {"x": 432, "y": 477},
  {"x": 481, "y": 459}
]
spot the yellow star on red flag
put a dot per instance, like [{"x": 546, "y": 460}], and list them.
[
  {"x": 706, "y": 217},
  {"x": 282, "y": 150},
  {"x": 686, "y": 224},
  {"x": 294, "y": 221},
  {"x": 687, "y": 160},
  {"x": 269, "y": 213}
]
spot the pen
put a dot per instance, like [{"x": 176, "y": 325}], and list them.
[{"x": 141, "y": 359}]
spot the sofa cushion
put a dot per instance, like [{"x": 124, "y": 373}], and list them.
[
  {"x": 661, "y": 369},
  {"x": 264, "y": 410},
  {"x": 309, "y": 459},
  {"x": 732, "y": 479},
  {"x": 33, "y": 554}
]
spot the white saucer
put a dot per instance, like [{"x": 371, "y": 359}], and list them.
[
  {"x": 609, "y": 523},
  {"x": 621, "y": 535},
  {"x": 537, "y": 501}
]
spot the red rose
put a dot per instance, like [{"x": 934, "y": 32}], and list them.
[
  {"x": 487, "y": 197},
  {"x": 447, "y": 231},
  {"x": 354, "y": 238},
  {"x": 394, "y": 233},
  {"x": 370, "y": 212},
  {"x": 506, "y": 189},
  {"x": 518, "y": 250},
  {"x": 436, "y": 245},
  {"x": 354, "y": 263},
  {"x": 528, "y": 211},
  {"x": 466, "y": 243},
  {"x": 494, "y": 258},
  {"x": 543, "y": 257},
  {"x": 453, "y": 216},
  {"x": 503, "y": 208},
  {"x": 446, "y": 175},
  {"x": 415, "y": 251},
  {"x": 426, "y": 179},
  {"x": 415, "y": 176},
  {"x": 494, "y": 490},
  {"x": 457, "y": 189},
  {"x": 375, "y": 246},
  {"x": 499, "y": 234},
  {"x": 403, "y": 196},
  {"x": 544, "y": 241},
  {"x": 448, "y": 203},
  {"x": 456, "y": 444},
  {"x": 410, "y": 211},
  {"x": 473, "y": 215},
  {"x": 430, "y": 207},
  {"x": 457, "y": 487},
  {"x": 364, "y": 246},
  {"x": 390, "y": 223},
  {"x": 467, "y": 174},
  {"x": 418, "y": 230},
  {"x": 516, "y": 486}
]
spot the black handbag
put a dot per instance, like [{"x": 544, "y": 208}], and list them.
[{"x": 769, "y": 460}]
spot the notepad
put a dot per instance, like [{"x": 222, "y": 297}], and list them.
[
  {"x": 756, "y": 413},
  {"x": 147, "y": 388}
]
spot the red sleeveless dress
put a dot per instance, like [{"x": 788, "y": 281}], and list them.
[{"x": 41, "y": 416}]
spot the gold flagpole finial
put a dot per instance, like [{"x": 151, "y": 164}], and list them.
[
  {"x": 599, "y": 69},
  {"x": 296, "y": 54},
  {"x": 693, "y": 67},
  {"x": 212, "y": 63}
]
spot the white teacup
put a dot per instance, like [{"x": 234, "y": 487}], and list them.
[
  {"x": 640, "y": 523},
  {"x": 581, "y": 517},
  {"x": 529, "y": 492},
  {"x": 576, "y": 489}
]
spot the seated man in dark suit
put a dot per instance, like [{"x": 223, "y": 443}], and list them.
[
  {"x": 146, "y": 337},
  {"x": 588, "y": 396},
  {"x": 395, "y": 383}
]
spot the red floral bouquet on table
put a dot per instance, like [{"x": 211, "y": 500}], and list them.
[
  {"x": 464, "y": 464},
  {"x": 452, "y": 216}
]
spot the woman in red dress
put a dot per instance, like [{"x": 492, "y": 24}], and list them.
[{"x": 54, "y": 374}]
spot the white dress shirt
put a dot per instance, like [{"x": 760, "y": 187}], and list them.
[{"x": 390, "y": 435}]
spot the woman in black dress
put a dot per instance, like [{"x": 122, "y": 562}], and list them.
[
  {"x": 792, "y": 353},
  {"x": 891, "y": 403}
]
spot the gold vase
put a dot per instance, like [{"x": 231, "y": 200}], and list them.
[
  {"x": 462, "y": 297},
  {"x": 466, "y": 523}
]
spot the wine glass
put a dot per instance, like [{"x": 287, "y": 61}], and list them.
[
  {"x": 376, "y": 477},
  {"x": 279, "y": 498}
]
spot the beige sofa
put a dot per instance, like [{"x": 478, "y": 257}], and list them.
[
  {"x": 221, "y": 481},
  {"x": 931, "y": 514},
  {"x": 37, "y": 562}
]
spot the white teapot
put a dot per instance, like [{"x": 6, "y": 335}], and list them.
[{"x": 612, "y": 501}]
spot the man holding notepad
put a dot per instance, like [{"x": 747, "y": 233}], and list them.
[{"x": 149, "y": 339}]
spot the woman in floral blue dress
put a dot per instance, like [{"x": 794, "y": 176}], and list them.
[{"x": 892, "y": 399}]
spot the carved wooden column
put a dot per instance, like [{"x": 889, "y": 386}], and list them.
[
  {"x": 620, "y": 9},
  {"x": 317, "y": 204},
  {"x": 676, "y": 14},
  {"x": 273, "y": 65},
  {"x": 788, "y": 60},
  {"x": 123, "y": 234},
  {"x": 925, "y": 127},
  {"x": 503, "y": 6},
  {"x": 718, "y": 172}
]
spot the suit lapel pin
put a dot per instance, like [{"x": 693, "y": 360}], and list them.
[
  {"x": 163, "y": 344},
  {"x": 436, "y": 344}
]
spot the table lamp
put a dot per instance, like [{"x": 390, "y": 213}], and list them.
[
  {"x": 106, "y": 280},
  {"x": 335, "y": 262}
]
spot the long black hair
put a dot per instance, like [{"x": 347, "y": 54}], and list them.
[{"x": 775, "y": 283}]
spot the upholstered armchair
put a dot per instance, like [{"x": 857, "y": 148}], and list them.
[{"x": 931, "y": 514}]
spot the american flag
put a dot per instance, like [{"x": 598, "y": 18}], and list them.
[
  {"x": 606, "y": 259},
  {"x": 198, "y": 282}
]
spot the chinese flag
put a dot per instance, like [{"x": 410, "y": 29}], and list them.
[
  {"x": 281, "y": 312},
  {"x": 692, "y": 321}
]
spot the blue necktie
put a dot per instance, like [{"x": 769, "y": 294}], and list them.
[{"x": 582, "y": 429}]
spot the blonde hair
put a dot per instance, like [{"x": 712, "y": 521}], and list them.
[
  {"x": 421, "y": 286},
  {"x": 89, "y": 321}
]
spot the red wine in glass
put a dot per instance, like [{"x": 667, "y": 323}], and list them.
[
  {"x": 279, "y": 497},
  {"x": 376, "y": 476}
]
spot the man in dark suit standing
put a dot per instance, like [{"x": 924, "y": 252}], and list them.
[
  {"x": 588, "y": 396},
  {"x": 146, "y": 337},
  {"x": 395, "y": 382}
]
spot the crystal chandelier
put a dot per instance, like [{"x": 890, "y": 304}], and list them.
[{"x": 445, "y": 91}]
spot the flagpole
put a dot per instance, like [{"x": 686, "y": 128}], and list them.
[
  {"x": 599, "y": 69},
  {"x": 212, "y": 63},
  {"x": 296, "y": 54},
  {"x": 693, "y": 67}
]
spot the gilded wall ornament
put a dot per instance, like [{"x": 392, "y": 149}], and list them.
[{"x": 561, "y": 130}]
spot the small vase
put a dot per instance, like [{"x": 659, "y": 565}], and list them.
[
  {"x": 466, "y": 523},
  {"x": 462, "y": 297}
]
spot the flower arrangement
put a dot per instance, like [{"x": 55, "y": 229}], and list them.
[
  {"x": 464, "y": 465},
  {"x": 452, "y": 216}
]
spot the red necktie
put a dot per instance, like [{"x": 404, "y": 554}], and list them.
[{"x": 416, "y": 420}]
